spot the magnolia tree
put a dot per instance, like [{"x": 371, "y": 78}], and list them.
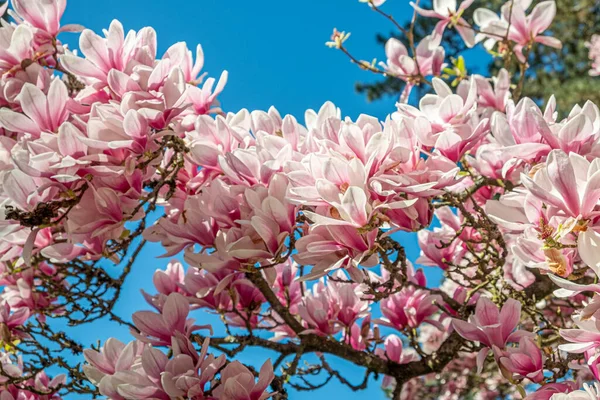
[{"x": 289, "y": 229}]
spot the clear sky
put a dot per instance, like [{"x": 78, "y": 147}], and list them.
[{"x": 275, "y": 54}]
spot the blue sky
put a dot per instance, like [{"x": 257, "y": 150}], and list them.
[{"x": 275, "y": 54}]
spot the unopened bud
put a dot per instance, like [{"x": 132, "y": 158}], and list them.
[
  {"x": 364, "y": 331},
  {"x": 286, "y": 276}
]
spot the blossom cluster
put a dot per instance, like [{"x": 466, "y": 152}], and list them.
[
  {"x": 288, "y": 228},
  {"x": 140, "y": 370}
]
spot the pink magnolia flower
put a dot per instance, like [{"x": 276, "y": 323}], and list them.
[
  {"x": 166, "y": 282},
  {"x": 12, "y": 323},
  {"x": 161, "y": 377},
  {"x": 483, "y": 325},
  {"x": 359, "y": 336},
  {"x": 185, "y": 228},
  {"x": 413, "y": 218},
  {"x": 352, "y": 207},
  {"x": 100, "y": 213},
  {"x": 447, "y": 121},
  {"x": 116, "y": 51},
  {"x": 523, "y": 29},
  {"x": 160, "y": 97},
  {"x": 13, "y": 82},
  {"x": 43, "y": 113},
  {"x": 265, "y": 221},
  {"x": 270, "y": 216},
  {"x": 336, "y": 182},
  {"x": 578, "y": 133},
  {"x": 214, "y": 138},
  {"x": 158, "y": 328},
  {"x": 320, "y": 311},
  {"x": 417, "y": 177},
  {"x": 536, "y": 228},
  {"x": 179, "y": 55},
  {"x": 251, "y": 166},
  {"x": 328, "y": 248},
  {"x": 428, "y": 55},
  {"x": 427, "y": 60},
  {"x": 181, "y": 379},
  {"x": 170, "y": 280},
  {"x": 16, "y": 45},
  {"x": 113, "y": 357},
  {"x": 491, "y": 326},
  {"x": 187, "y": 378},
  {"x": 588, "y": 392},
  {"x": 271, "y": 122},
  {"x": 521, "y": 132},
  {"x": 147, "y": 382},
  {"x": 527, "y": 360},
  {"x": 440, "y": 247},
  {"x": 334, "y": 305},
  {"x": 546, "y": 392},
  {"x": 583, "y": 338},
  {"x": 569, "y": 183},
  {"x": 204, "y": 100},
  {"x": 493, "y": 98},
  {"x": 247, "y": 301},
  {"x": 39, "y": 383},
  {"x": 394, "y": 352},
  {"x": 448, "y": 14},
  {"x": 209, "y": 290},
  {"x": 338, "y": 188},
  {"x": 495, "y": 161},
  {"x": 409, "y": 308},
  {"x": 237, "y": 382},
  {"x": 517, "y": 210},
  {"x": 143, "y": 372},
  {"x": 119, "y": 135},
  {"x": 535, "y": 133},
  {"x": 56, "y": 158},
  {"x": 44, "y": 15},
  {"x": 350, "y": 300}
]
